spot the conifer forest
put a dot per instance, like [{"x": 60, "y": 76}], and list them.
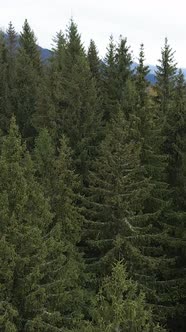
[{"x": 92, "y": 187}]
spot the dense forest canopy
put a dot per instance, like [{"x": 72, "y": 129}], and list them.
[{"x": 92, "y": 188}]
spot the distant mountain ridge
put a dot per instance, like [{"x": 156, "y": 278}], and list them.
[{"x": 44, "y": 52}]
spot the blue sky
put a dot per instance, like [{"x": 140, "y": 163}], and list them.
[{"x": 140, "y": 21}]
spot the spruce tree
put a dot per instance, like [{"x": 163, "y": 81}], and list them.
[
  {"x": 175, "y": 143},
  {"x": 5, "y": 105},
  {"x": 146, "y": 129},
  {"x": 165, "y": 76},
  {"x": 28, "y": 44},
  {"x": 172, "y": 109},
  {"x": 12, "y": 47},
  {"x": 119, "y": 306},
  {"x": 127, "y": 203},
  {"x": 114, "y": 201},
  {"x": 44, "y": 156},
  {"x": 58, "y": 50},
  {"x": 48, "y": 107},
  {"x": 117, "y": 79},
  {"x": 174, "y": 147},
  {"x": 123, "y": 65},
  {"x": 141, "y": 81},
  {"x": 110, "y": 82},
  {"x": 64, "y": 277},
  {"x": 79, "y": 118},
  {"x": 28, "y": 71},
  {"x": 12, "y": 40},
  {"x": 94, "y": 61},
  {"x": 25, "y": 216}
]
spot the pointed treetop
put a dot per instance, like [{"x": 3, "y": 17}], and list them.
[
  {"x": 123, "y": 63},
  {"x": 27, "y": 35},
  {"x": 12, "y": 39},
  {"x": 59, "y": 41},
  {"x": 92, "y": 49},
  {"x": 11, "y": 30},
  {"x": 141, "y": 67},
  {"x": 141, "y": 78},
  {"x": 165, "y": 77},
  {"x": 123, "y": 54},
  {"x": 93, "y": 59},
  {"x": 167, "y": 65},
  {"x": 28, "y": 44},
  {"x": 111, "y": 52},
  {"x": 74, "y": 45},
  {"x": 59, "y": 49}
]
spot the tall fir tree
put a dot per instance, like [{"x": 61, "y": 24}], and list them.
[
  {"x": 175, "y": 143},
  {"x": 27, "y": 41},
  {"x": 114, "y": 201},
  {"x": 12, "y": 40},
  {"x": 5, "y": 104},
  {"x": 94, "y": 61},
  {"x": 123, "y": 65},
  {"x": 110, "y": 82},
  {"x": 12, "y": 47},
  {"x": 79, "y": 118},
  {"x": 165, "y": 76},
  {"x": 170, "y": 101},
  {"x": 174, "y": 147},
  {"x": 65, "y": 275},
  {"x": 25, "y": 216},
  {"x": 141, "y": 78},
  {"x": 117, "y": 79},
  {"x": 28, "y": 73},
  {"x": 48, "y": 107}
]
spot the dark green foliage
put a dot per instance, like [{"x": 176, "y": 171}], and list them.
[
  {"x": 48, "y": 107},
  {"x": 117, "y": 79},
  {"x": 94, "y": 61},
  {"x": 25, "y": 215},
  {"x": 119, "y": 306},
  {"x": 26, "y": 95},
  {"x": 171, "y": 99},
  {"x": 123, "y": 65},
  {"x": 5, "y": 102},
  {"x": 104, "y": 180},
  {"x": 165, "y": 76},
  {"x": 114, "y": 200},
  {"x": 75, "y": 97},
  {"x": 64, "y": 269},
  {"x": 141, "y": 82},
  {"x": 11, "y": 43},
  {"x": 60, "y": 183},
  {"x": 28, "y": 70},
  {"x": 12, "y": 40},
  {"x": 175, "y": 148},
  {"x": 175, "y": 143},
  {"x": 145, "y": 129},
  {"x": 28, "y": 45},
  {"x": 109, "y": 82}
]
